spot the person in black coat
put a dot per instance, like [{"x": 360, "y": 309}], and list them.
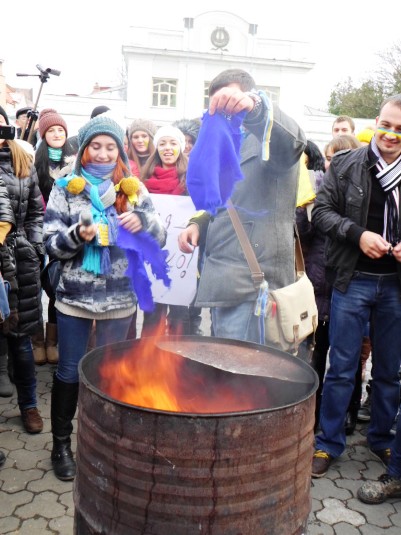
[{"x": 25, "y": 245}]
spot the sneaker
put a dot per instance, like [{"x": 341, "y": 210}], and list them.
[
  {"x": 320, "y": 463},
  {"x": 32, "y": 420},
  {"x": 383, "y": 455},
  {"x": 378, "y": 491}
]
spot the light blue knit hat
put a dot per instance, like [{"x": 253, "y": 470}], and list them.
[{"x": 95, "y": 127}]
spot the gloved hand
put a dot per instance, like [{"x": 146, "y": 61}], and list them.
[{"x": 10, "y": 323}]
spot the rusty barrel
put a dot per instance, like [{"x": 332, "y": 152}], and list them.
[{"x": 142, "y": 471}]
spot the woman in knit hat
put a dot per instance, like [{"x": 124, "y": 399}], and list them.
[
  {"x": 165, "y": 173},
  {"x": 87, "y": 213},
  {"x": 140, "y": 142},
  {"x": 24, "y": 242},
  {"x": 54, "y": 159}
]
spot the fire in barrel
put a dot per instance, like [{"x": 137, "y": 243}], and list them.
[{"x": 193, "y": 435}]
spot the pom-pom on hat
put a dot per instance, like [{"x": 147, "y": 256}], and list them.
[
  {"x": 144, "y": 125},
  {"x": 48, "y": 118},
  {"x": 100, "y": 125},
  {"x": 4, "y": 114},
  {"x": 170, "y": 131}
]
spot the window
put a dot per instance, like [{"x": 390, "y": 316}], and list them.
[
  {"x": 164, "y": 92},
  {"x": 206, "y": 95}
]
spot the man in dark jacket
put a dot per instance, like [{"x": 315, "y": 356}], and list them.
[{"x": 358, "y": 209}]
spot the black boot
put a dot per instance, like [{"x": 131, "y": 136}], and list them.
[
  {"x": 63, "y": 407},
  {"x": 2, "y": 458}
]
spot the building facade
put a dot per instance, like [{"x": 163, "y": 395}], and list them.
[{"x": 169, "y": 71}]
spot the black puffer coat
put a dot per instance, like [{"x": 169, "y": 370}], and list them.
[
  {"x": 25, "y": 242},
  {"x": 7, "y": 266}
]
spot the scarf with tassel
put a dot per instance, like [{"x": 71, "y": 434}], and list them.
[
  {"x": 389, "y": 177},
  {"x": 139, "y": 248},
  {"x": 101, "y": 191}
]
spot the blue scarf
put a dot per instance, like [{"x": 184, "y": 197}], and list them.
[
  {"x": 141, "y": 247},
  {"x": 214, "y": 165}
]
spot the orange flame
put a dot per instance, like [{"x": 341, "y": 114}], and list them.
[{"x": 149, "y": 377}]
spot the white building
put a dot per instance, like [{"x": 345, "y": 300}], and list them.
[{"x": 168, "y": 72}]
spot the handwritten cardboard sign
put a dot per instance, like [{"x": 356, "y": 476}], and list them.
[{"x": 175, "y": 210}]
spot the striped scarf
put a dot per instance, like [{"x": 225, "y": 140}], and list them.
[{"x": 389, "y": 177}]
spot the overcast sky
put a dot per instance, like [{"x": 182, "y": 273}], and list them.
[{"x": 83, "y": 38}]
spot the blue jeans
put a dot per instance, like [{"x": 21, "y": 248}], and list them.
[
  {"x": 237, "y": 323},
  {"x": 21, "y": 355},
  {"x": 73, "y": 338},
  {"x": 374, "y": 298}
]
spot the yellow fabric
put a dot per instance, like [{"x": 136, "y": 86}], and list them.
[
  {"x": 4, "y": 230},
  {"x": 305, "y": 189}
]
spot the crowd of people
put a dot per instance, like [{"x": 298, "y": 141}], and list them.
[{"x": 66, "y": 203}]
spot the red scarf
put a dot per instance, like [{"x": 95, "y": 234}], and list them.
[{"x": 164, "y": 181}]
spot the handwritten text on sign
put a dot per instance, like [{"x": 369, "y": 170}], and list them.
[{"x": 175, "y": 210}]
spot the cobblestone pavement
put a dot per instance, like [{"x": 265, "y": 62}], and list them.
[{"x": 34, "y": 502}]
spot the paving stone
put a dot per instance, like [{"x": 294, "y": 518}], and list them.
[
  {"x": 9, "y": 502},
  {"x": 8, "y": 524},
  {"x": 62, "y": 525},
  {"x": 335, "y": 511},
  {"x": 22, "y": 461},
  {"x": 50, "y": 481},
  {"x": 67, "y": 499},
  {"x": 15, "y": 480},
  {"x": 345, "y": 529},
  {"x": 11, "y": 441},
  {"x": 33, "y": 526},
  {"x": 377, "y": 515},
  {"x": 319, "y": 528},
  {"x": 46, "y": 503},
  {"x": 351, "y": 469},
  {"x": 369, "y": 529},
  {"x": 396, "y": 518},
  {"x": 325, "y": 488}
]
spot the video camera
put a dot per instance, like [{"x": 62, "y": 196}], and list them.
[{"x": 7, "y": 132}]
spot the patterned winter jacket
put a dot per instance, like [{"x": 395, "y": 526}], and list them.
[{"x": 103, "y": 296}]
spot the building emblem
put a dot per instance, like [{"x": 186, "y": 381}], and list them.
[{"x": 220, "y": 37}]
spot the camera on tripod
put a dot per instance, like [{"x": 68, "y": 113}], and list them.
[
  {"x": 27, "y": 131},
  {"x": 7, "y": 132}
]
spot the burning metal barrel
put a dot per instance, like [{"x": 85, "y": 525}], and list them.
[{"x": 193, "y": 435}]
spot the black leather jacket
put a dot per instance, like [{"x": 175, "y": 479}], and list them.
[{"x": 342, "y": 202}]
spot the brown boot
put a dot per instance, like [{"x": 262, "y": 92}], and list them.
[
  {"x": 38, "y": 346},
  {"x": 32, "y": 420},
  {"x": 51, "y": 343},
  {"x": 365, "y": 353}
]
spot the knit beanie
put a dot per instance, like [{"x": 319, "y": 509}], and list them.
[
  {"x": 100, "y": 125},
  {"x": 144, "y": 125},
  {"x": 99, "y": 110},
  {"x": 4, "y": 114},
  {"x": 170, "y": 131},
  {"x": 189, "y": 127},
  {"x": 48, "y": 118}
]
